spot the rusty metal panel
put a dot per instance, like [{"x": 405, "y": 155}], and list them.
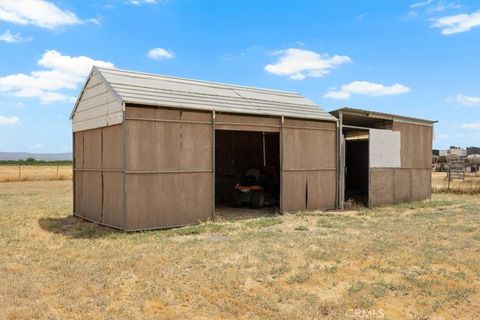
[
  {"x": 402, "y": 185},
  {"x": 421, "y": 184},
  {"x": 113, "y": 185},
  {"x": 381, "y": 189},
  {"x": 309, "y": 159},
  {"x": 92, "y": 148},
  {"x": 112, "y": 147}
]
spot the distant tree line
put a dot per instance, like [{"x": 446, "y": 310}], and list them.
[
  {"x": 35, "y": 162},
  {"x": 473, "y": 150}
]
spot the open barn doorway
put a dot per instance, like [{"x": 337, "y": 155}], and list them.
[
  {"x": 356, "y": 166},
  {"x": 247, "y": 173}
]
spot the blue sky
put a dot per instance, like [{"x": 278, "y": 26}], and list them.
[{"x": 415, "y": 58}]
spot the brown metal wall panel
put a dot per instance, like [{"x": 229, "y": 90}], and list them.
[
  {"x": 246, "y": 123},
  {"x": 92, "y": 147},
  {"x": 381, "y": 189},
  {"x": 112, "y": 147},
  {"x": 172, "y": 194},
  {"x": 402, "y": 185},
  {"x": 294, "y": 191},
  {"x": 168, "y": 146},
  {"x": 310, "y": 124},
  {"x": 113, "y": 201},
  {"x": 421, "y": 184},
  {"x": 309, "y": 165},
  {"x": 309, "y": 149},
  {"x": 133, "y": 111},
  {"x": 78, "y": 152},
  {"x": 78, "y": 192},
  {"x": 91, "y": 207},
  {"x": 167, "y": 200},
  {"x": 321, "y": 191},
  {"x": 416, "y": 145}
]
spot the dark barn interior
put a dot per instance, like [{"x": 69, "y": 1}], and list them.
[
  {"x": 237, "y": 152},
  {"x": 357, "y": 166}
]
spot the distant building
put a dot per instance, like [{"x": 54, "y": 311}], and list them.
[{"x": 453, "y": 152}]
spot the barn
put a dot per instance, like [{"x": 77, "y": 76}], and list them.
[
  {"x": 384, "y": 158},
  {"x": 153, "y": 151}
]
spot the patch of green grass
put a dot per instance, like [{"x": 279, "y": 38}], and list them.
[
  {"x": 434, "y": 203},
  {"x": 300, "y": 276},
  {"x": 280, "y": 269},
  {"x": 263, "y": 222},
  {"x": 301, "y": 228},
  {"x": 330, "y": 269},
  {"x": 357, "y": 286},
  {"x": 459, "y": 294},
  {"x": 197, "y": 229},
  {"x": 318, "y": 254}
]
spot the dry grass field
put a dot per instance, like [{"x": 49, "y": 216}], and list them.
[
  {"x": 10, "y": 173},
  {"x": 418, "y": 260},
  {"x": 471, "y": 185}
]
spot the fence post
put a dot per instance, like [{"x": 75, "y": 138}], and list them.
[
  {"x": 57, "y": 170},
  {"x": 19, "y": 171}
]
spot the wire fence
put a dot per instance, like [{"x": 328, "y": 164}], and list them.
[{"x": 10, "y": 173}]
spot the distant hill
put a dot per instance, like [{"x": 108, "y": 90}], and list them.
[{"x": 36, "y": 156}]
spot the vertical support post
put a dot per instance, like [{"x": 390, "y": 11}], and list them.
[
  {"x": 263, "y": 150},
  {"x": 125, "y": 168},
  {"x": 19, "y": 171},
  {"x": 73, "y": 172},
  {"x": 213, "y": 165},
  {"x": 282, "y": 179},
  {"x": 369, "y": 171},
  {"x": 341, "y": 164}
]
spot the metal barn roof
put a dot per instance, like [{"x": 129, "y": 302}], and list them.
[
  {"x": 380, "y": 115},
  {"x": 157, "y": 90}
]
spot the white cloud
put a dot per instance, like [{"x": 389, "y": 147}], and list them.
[
  {"x": 8, "y": 120},
  {"x": 467, "y": 101},
  {"x": 139, "y": 2},
  {"x": 37, "y": 146},
  {"x": 160, "y": 53},
  {"x": 365, "y": 88},
  {"x": 298, "y": 64},
  {"x": 472, "y": 126},
  {"x": 9, "y": 37},
  {"x": 457, "y": 23},
  {"x": 421, "y": 4},
  {"x": 61, "y": 72},
  {"x": 36, "y": 12}
]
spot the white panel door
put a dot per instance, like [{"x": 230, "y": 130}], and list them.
[{"x": 385, "y": 148}]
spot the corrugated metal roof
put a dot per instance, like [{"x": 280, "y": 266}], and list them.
[
  {"x": 374, "y": 114},
  {"x": 152, "y": 89}
]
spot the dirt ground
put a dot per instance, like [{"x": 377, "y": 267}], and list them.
[{"x": 417, "y": 260}]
